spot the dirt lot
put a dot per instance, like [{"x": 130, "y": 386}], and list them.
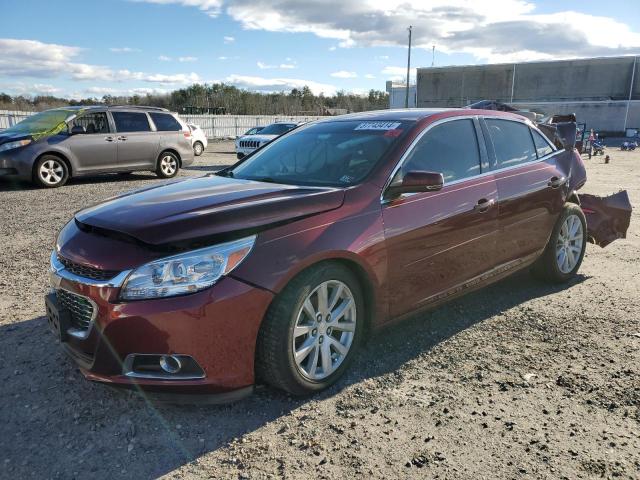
[{"x": 520, "y": 380}]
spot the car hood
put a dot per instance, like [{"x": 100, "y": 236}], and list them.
[
  {"x": 12, "y": 137},
  {"x": 201, "y": 210}
]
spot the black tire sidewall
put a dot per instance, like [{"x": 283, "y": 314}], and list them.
[
  {"x": 195, "y": 148},
  {"x": 552, "y": 262},
  {"x": 159, "y": 171},
  {"x": 38, "y": 164}
]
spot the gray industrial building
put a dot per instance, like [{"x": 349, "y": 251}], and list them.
[{"x": 603, "y": 92}]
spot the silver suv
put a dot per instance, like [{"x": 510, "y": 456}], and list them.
[{"x": 51, "y": 146}]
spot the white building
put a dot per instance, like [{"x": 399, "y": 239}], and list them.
[{"x": 397, "y": 94}]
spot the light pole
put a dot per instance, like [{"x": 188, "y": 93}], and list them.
[{"x": 406, "y": 97}]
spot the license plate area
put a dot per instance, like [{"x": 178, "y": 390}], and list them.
[{"x": 59, "y": 318}]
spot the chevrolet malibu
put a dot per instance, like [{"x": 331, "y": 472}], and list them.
[{"x": 275, "y": 269}]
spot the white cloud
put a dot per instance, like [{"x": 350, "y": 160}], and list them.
[
  {"x": 369, "y": 75},
  {"x": 31, "y": 58},
  {"x": 398, "y": 73},
  {"x": 344, "y": 74},
  {"x": 210, "y": 7},
  {"x": 278, "y": 84},
  {"x": 228, "y": 40},
  {"x": 124, "y": 49},
  {"x": 282, "y": 66},
  {"x": 187, "y": 59},
  {"x": 164, "y": 58},
  {"x": 102, "y": 91},
  {"x": 287, "y": 66}
]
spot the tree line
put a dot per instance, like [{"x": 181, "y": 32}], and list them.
[{"x": 219, "y": 98}]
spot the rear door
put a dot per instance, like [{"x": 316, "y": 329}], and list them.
[
  {"x": 96, "y": 149},
  {"x": 170, "y": 131},
  {"x": 439, "y": 241},
  {"x": 530, "y": 188},
  {"x": 137, "y": 141}
]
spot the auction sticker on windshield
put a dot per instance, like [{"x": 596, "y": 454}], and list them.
[{"x": 378, "y": 126}]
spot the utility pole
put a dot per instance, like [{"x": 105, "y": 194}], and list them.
[
  {"x": 406, "y": 97},
  {"x": 633, "y": 76}
]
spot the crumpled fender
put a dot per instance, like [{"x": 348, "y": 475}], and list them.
[{"x": 608, "y": 218}]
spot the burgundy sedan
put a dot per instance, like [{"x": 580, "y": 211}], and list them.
[{"x": 274, "y": 269}]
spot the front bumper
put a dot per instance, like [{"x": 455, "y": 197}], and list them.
[
  {"x": 217, "y": 327},
  {"x": 15, "y": 164}
]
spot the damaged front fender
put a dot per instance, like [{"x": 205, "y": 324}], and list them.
[{"x": 608, "y": 218}]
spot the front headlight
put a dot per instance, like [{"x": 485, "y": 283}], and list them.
[
  {"x": 187, "y": 272},
  {"x": 16, "y": 144}
]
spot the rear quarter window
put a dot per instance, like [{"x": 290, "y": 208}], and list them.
[
  {"x": 512, "y": 142},
  {"x": 165, "y": 122},
  {"x": 542, "y": 146}
]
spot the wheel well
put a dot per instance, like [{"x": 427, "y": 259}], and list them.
[
  {"x": 573, "y": 198},
  {"x": 54, "y": 154},
  {"x": 171, "y": 150}
]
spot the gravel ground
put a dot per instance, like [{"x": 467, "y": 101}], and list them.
[{"x": 519, "y": 380}]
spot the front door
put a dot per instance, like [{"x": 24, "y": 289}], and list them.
[
  {"x": 137, "y": 142},
  {"x": 95, "y": 150},
  {"x": 437, "y": 242}
]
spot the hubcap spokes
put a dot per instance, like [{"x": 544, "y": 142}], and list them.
[
  {"x": 324, "y": 330},
  {"x": 51, "y": 172},
  {"x": 168, "y": 165},
  {"x": 569, "y": 245}
]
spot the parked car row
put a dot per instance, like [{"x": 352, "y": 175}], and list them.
[
  {"x": 52, "y": 146},
  {"x": 259, "y": 136},
  {"x": 275, "y": 268}
]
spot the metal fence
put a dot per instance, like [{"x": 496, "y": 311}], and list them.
[{"x": 214, "y": 126}]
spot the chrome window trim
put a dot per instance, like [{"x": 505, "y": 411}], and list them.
[
  {"x": 59, "y": 270},
  {"x": 466, "y": 179}
]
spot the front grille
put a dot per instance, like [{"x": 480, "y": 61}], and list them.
[
  {"x": 249, "y": 143},
  {"x": 80, "y": 308},
  {"x": 87, "y": 272}
]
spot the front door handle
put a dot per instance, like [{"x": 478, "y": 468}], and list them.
[
  {"x": 122, "y": 139},
  {"x": 108, "y": 139},
  {"x": 556, "y": 182},
  {"x": 484, "y": 204}
]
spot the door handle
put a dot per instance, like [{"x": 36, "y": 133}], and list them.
[
  {"x": 483, "y": 205},
  {"x": 122, "y": 139},
  {"x": 556, "y": 182},
  {"x": 108, "y": 139}
]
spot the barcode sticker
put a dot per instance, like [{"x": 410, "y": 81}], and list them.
[{"x": 378, "y": 126}]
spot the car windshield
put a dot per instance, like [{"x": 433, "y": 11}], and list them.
[
  {"x": 42, "y": 122},
  {"x": 277, "y": 128},
  {"x": 337, "y": 153}
]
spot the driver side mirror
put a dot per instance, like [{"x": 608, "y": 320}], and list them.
[
  {"x": 415, "y": 181},
  {"x": 78, "y": 129}
]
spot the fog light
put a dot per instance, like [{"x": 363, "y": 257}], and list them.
[{"x": 170, "y": 364}]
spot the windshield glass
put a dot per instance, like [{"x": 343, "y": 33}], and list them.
[
  {"x": 41, "y": 123},
  {"x": 337, "y": 153},
  {"x": 277, "y": 128}
]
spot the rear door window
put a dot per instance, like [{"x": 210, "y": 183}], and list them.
[
  {"x": 450, "y": 148},
  {"x": 94, "y": 122},
  {"x": 542, "y": 146},
  {"x": 165, "y": 122},
  {"x": 131, "y": 121},
  {"x": 512, "y": 142}
]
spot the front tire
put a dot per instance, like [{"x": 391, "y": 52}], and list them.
[
  {"x": 564, "y": 252},
  {"x": 311, "y": 331},
  {"x": 50, "y": 172},
  {"x": 198, "y": 149},
  {"x": 168, "y": 165}
]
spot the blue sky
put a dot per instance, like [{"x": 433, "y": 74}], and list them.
[{"x": 90, "y": 48}]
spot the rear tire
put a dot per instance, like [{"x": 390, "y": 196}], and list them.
[
  {"x": 198, "y": 149},
  {"x": 168, "y": 165},
  {"x": 50, "y": 172},
  {"x": 301, "y": 349},
  {"x": 564, "y": 252}
]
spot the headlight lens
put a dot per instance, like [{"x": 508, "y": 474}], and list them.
[
  {"x": 16, "y": 144},
  {"x": 188, "y": 272}
]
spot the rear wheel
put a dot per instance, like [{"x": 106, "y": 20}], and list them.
[
  {"x": 563, "y": 254},
  {"x": 168, "y": 165},
  {"x": 311, "y": 331},
  {"x": 198, "y": 148},
  {"x": 51, "y": 172}
]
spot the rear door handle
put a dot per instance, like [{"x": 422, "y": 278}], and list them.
[
  {"x": 556, "y": 182},
  {"x": 122, "y": 139},
  {"x": 108, "y": 139},
  {"x": 483, "y": 205}
]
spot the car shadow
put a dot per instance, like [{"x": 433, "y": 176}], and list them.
[{"x": 54, "y": 424}]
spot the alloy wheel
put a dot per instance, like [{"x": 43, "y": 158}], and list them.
[
  {"x": 168, "y": 165},
  {"x": 324, "y": 330},
  {"x": 569, "y": 244},
  {"x": 51, "y": 172}
]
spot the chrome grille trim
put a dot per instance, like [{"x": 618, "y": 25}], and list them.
[
  {"x": 59, "y": 272},
  {"x": 86, "y": 271},
  {"x": 249, "y": 143}
]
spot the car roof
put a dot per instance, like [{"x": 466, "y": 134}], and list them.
[
  {"x": 112, "y": 107},
  {"x": 414, "y": 114}
]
